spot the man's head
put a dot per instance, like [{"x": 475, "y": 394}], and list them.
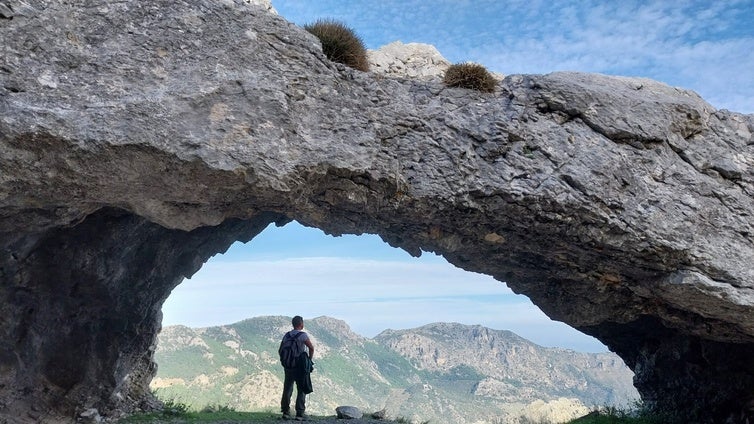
[{"x": 298, "y": 322}]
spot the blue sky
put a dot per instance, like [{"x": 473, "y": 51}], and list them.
[
  {"x": 707, "y": 46},
  {"x": 297, "y": 270},
  {"x": 704, "y": 46}
]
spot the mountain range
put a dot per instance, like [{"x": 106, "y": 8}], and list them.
[{"x": 442, "y": 372}]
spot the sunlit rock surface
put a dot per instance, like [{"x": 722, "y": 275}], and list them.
[
  {"x": 410, "y": 60},
  {"x": 137, "y": 139}
]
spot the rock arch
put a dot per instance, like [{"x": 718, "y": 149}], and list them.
[{"x": 137, "y": 140}]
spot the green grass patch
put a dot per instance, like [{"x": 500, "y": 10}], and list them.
[
  {"x": 225, "y": 417},
  {"x": 616, "y": 416},
  {"x": 202, "y": 417}
]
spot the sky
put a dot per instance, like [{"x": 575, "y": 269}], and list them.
[{"x": 704, "y": 46}]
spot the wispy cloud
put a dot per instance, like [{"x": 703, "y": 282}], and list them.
[{"x": 700, "y": 45}]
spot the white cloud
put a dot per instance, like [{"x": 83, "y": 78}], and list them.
[
  {"x": 370, "y": 295},
  {"x": 659, "y": 40},
  {"x": 704, "y": 46}
]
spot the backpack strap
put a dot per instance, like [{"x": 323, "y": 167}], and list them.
[{"x": 288, "y": 336}]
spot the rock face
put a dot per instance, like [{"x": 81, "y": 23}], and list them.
[
  {"x": 507, "y": 362},
  {"x": 137, "y": 139},
  {"x": 558, "y": 411}
]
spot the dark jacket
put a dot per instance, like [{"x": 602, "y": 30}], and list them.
[{"x": 303, "y": 373}]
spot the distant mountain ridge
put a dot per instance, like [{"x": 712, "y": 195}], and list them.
[
  {"x": 509, "y": 361},
  {"x": 442, "y": 372}
]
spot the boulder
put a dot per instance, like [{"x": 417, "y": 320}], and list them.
[
  {"x": 349, "y": 413},
  {"x": 379, "y": 415},
  {"x": 410, "y": 60}
]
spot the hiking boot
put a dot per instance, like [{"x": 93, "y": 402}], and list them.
[
  {"x": 302, "y": 417},
  {"x": 287, "y": 416}
]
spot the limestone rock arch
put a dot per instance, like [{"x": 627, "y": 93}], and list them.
[{"x": 137, "y": 139}]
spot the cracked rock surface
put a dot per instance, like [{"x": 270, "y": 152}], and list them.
[{"x": 137, "y": 139}]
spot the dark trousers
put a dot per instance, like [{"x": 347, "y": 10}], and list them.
[{"x": 285, "y": 402}]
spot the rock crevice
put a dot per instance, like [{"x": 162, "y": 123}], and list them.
[{"x": 137, "y": 140}]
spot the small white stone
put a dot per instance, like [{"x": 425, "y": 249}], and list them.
[
  {"x": 90, "y": 416},
  {"x": 48, "y": 80}
]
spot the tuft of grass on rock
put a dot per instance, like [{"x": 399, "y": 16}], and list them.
[
  {"x": 470, "y": 75},
  {"x": 340, "y": 43},
  {"x": 216, "y": 409},
  {"x": 174, "y": 411},
  {"x": 174, "y": 408}
]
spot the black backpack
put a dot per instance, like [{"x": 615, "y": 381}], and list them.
[{"x": 290, "y": 350}]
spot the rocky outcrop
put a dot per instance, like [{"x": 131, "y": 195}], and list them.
[
  {"x": 412, "y": 60},
  {"x": 264, "y": 4},
  {"x": 510, "y": 363},
  {"x": 556, "y": 411},
  {"x": 137, "y": 139},
  {"x": 416, "y": 61}
]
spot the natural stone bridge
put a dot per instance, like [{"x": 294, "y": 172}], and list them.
[{"x": 137, "y": 139}]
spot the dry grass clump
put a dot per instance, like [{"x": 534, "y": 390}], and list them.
[
  {"x": 340, "y": 43},
  {"x": 470, "y": 75}
]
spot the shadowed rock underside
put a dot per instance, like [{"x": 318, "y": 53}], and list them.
[{"x": 137, "y": 139}]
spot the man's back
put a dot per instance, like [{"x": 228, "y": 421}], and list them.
[{"x": 293, "y": 345}]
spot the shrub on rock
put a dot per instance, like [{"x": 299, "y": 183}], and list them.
[
  {"x": 340, "y": 43},
  {"x": 470, "y": 75}
]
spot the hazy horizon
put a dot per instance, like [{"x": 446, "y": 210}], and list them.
[
  {"x": 370, "y": 337},
  {"x": 296, "y": 270}
]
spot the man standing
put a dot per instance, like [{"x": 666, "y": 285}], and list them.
[{"x": 300, "y": 344}]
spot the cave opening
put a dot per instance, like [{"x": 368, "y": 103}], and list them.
[
  {"x": 298, "y": 270},
  {"x": 234, "y": 309}
]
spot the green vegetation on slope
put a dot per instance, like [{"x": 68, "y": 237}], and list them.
[{"x": 448, "y": 373}]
